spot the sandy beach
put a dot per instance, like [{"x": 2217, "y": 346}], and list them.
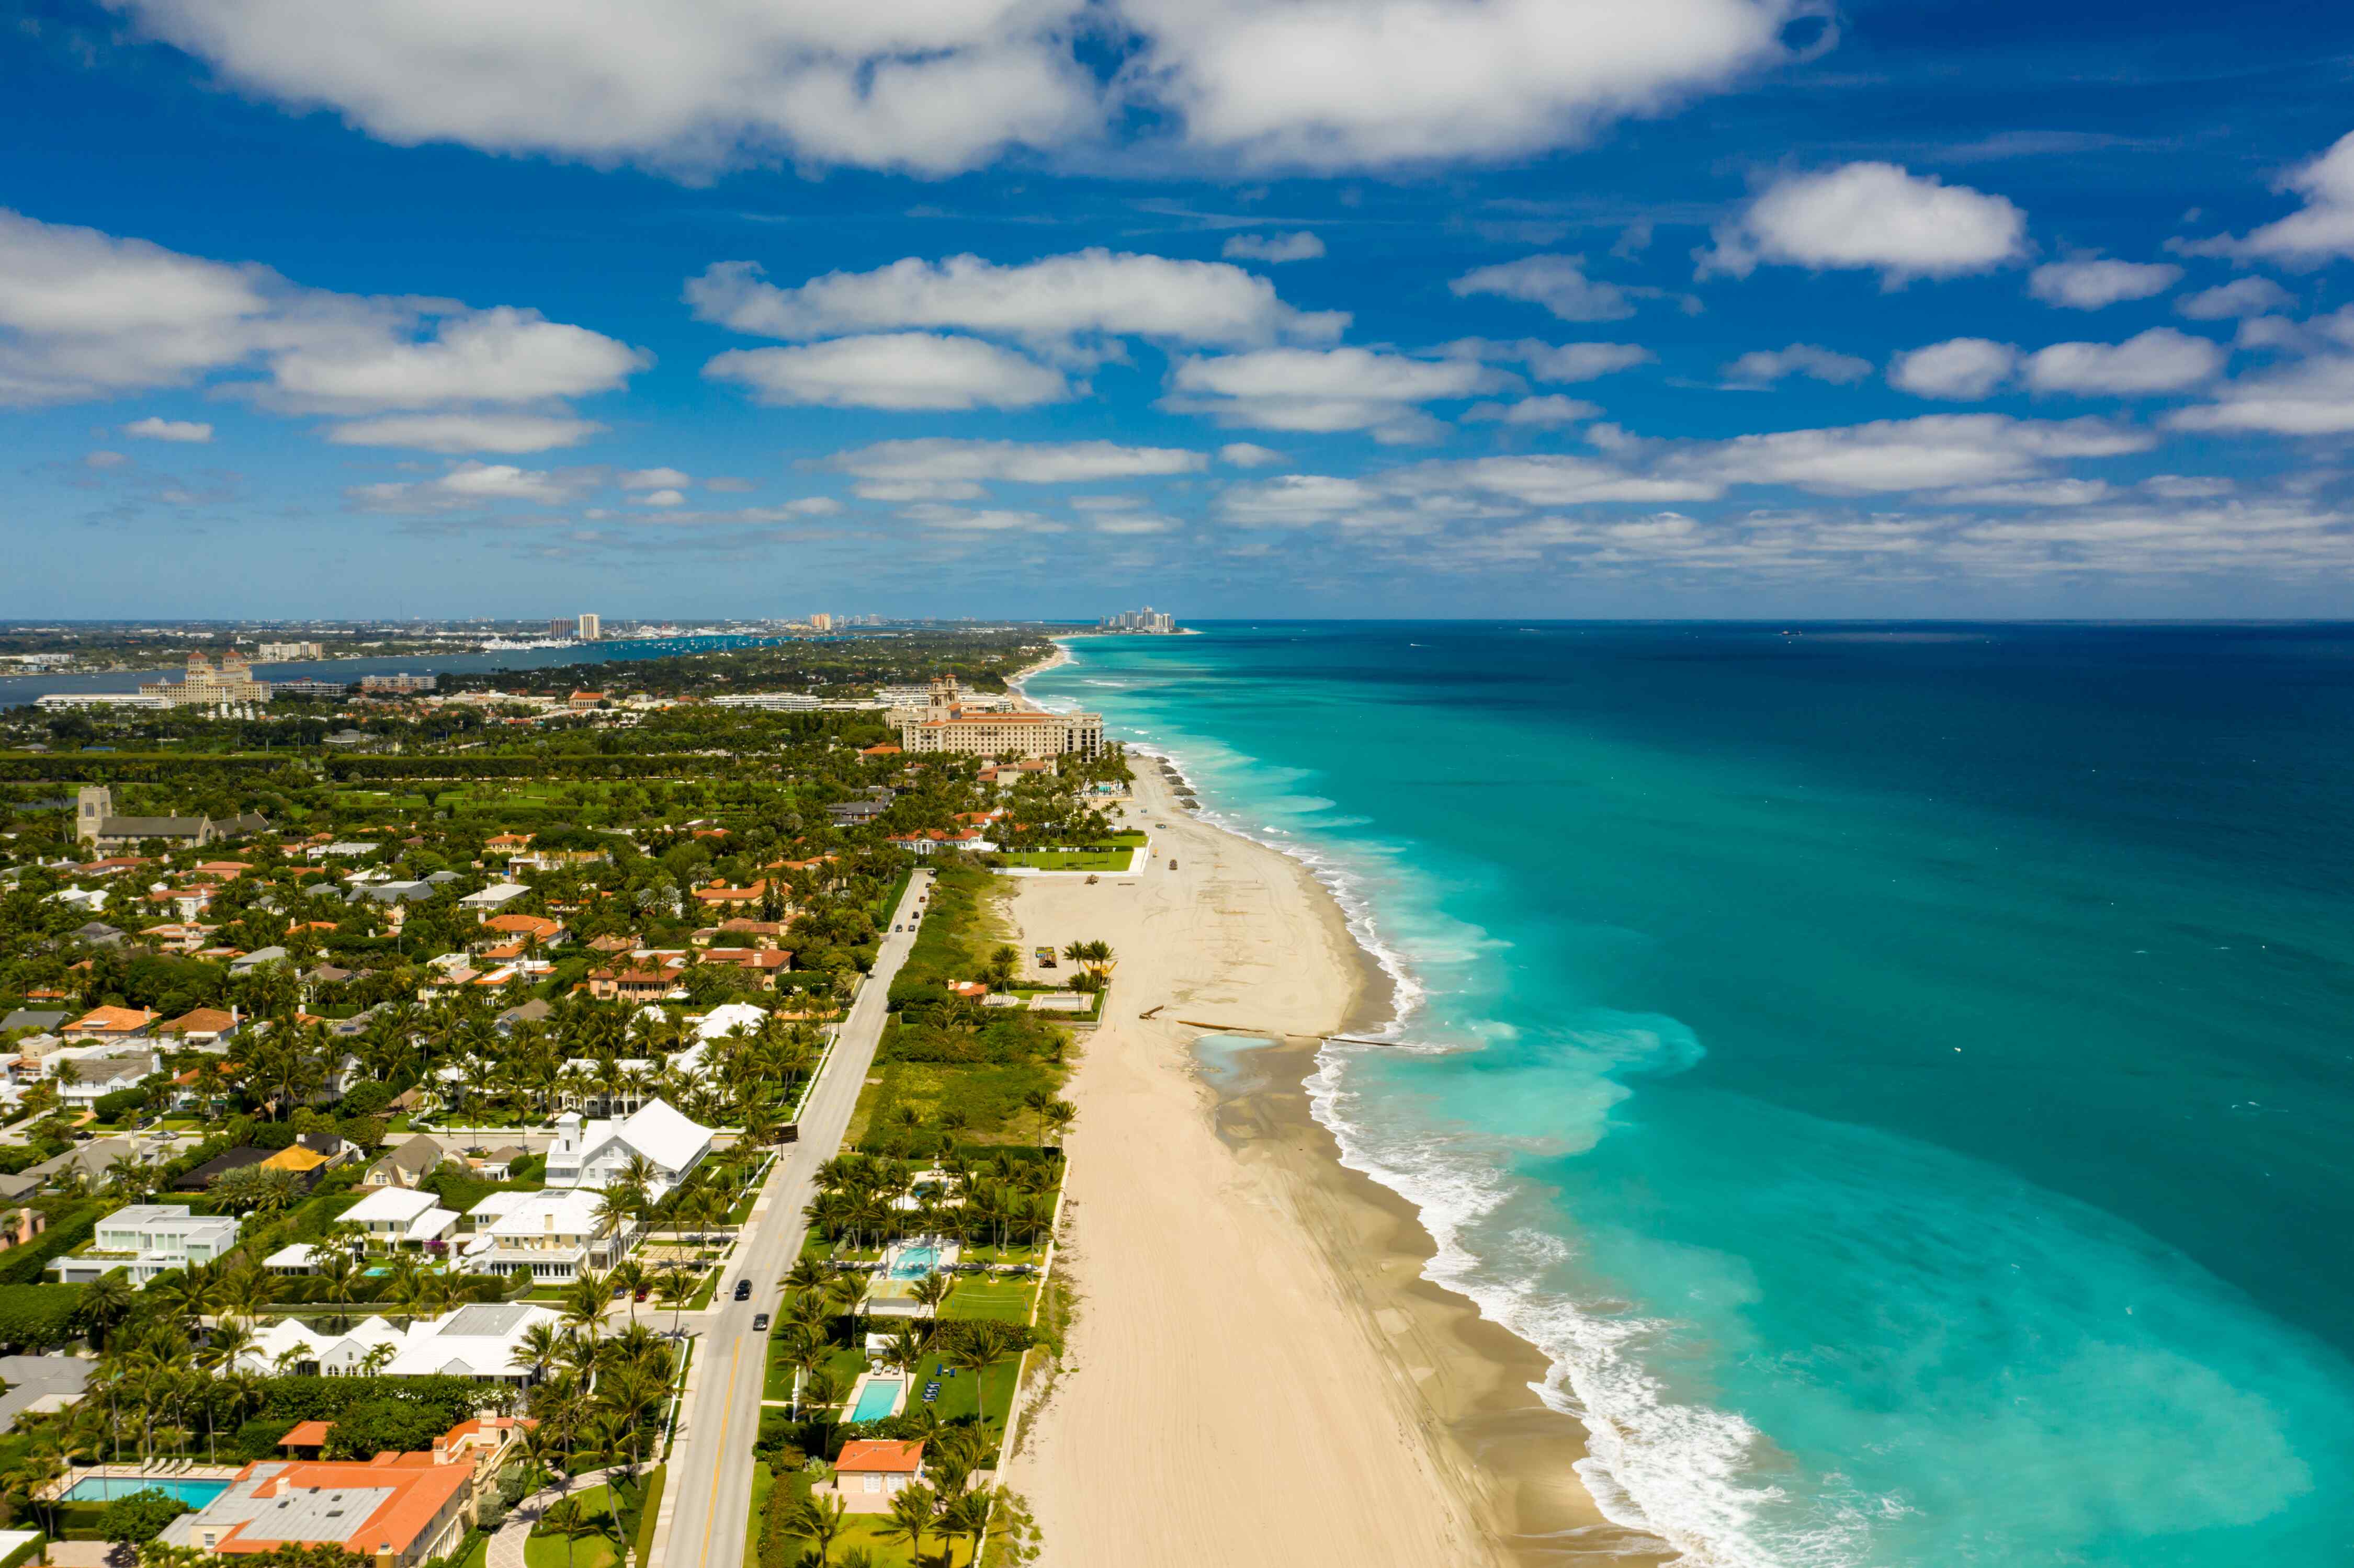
[{"x": 1258, "y": 1374}]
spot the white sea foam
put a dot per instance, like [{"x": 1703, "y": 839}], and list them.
[{"x": 1675, "y": 1469}]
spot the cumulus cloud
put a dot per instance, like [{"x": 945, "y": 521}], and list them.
[
  {"x": 988, "y": 519},
  {"x": 1553, "y": 409},
  {"x": 1068, "y": 307},
  {"x": 903, "y": 371},
  {"x": 2313, "y": 397},
  {"x": 1763, "y": 367},
  {"x": 1345, "y": 83},
  {"x": 2091, "y": 283},
  {"x": 472, "y": 484},
  {"x": 2159, "y": 360},
  {"x": 1551, "y": 362},
  {"x": 665, "y": 497},
  {"x": 934, "y": 86},
  {"x": 1326, "y": 390},
  {"x": 653, "y": 478},
  {"x": 156, "y": 430},
  {"x": 1937, "y": 452},
  {"x": 1559, "y": 283},
  {"x": 512, "y": 434},
  {"x": 2029, "y": 493},
  {"x": 2239, "y": 297},
  {"x": 1961, "y": 369},
  {"x": 1272, "y": 247},
  {"x": 941, "y": 460},
  {"x": 1247, "y": 454},
  {"x": 87, "y": 316},
  {"x": 1871, "y": 217},
  {"x": 930, "y": 86},
  {"x": 2320, "y": 232},
  {"x": 1295, "y": 500}
]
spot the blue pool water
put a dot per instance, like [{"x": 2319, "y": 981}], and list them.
[
  {"x": 877, "y": 1399},
  {"x": 1899, "y": 1076},
  {"x": 106, "y": 1488},
  {"x": 915, "y": 1262}
]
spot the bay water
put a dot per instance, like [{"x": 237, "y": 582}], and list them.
[{"x": 1903, "y": 1076}]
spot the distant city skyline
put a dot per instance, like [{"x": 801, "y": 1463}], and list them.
[{"x": 1732, "y": 307}]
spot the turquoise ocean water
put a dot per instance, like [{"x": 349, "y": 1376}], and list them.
[{"x": 1903, "y": 1078}]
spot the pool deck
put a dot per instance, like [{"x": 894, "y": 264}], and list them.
[{"x": 168, "y": 1470}]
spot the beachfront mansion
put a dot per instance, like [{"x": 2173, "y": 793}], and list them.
[{"x": 946, "y": 723}]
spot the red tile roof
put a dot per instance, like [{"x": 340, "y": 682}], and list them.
[
  {"x": 870, "y": 1456},
  {"x": 305, "y": 1434}
]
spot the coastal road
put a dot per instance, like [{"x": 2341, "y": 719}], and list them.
[{"x": 709, "y": 1492}]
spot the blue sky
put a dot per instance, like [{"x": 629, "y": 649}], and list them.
[{"x": 1319, "y": 307}]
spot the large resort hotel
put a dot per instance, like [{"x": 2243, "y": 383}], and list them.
[{"x": 948, "y": 723}]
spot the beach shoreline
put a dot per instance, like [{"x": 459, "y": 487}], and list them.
[{"x": 1486, "y": 1472}]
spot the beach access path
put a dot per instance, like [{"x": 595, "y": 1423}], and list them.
[
  {"x": 1223, "y": 1398},
  {"x": 709, "y": 1490}
]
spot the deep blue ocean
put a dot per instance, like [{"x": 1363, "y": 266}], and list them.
[{"x": 1903, "y": 1075}]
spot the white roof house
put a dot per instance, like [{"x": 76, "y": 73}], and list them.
[
  {"x": 731, "y": 1015},
  {"x": 494, "y": 898},
  {"x": 148, "y": 1239},
  {"x": 551, "y": 1235},
  {"x": 593, "y": 1153},
  {"x": 401, "y": 1216},
  {"x": 483, "y": 1342}
]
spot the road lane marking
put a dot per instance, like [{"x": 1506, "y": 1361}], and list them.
[{"x": 727, "y": 1409}]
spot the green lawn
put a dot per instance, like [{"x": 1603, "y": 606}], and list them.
[
  {"x": 763, "y": 1483},
  {"x": 988, "y": 1093},
  {"x": 1070, "y": 860},
  {"x": 1006, "y": 1301},
  {"x": 547, "y": 1549}
]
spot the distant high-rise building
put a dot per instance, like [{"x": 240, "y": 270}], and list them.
[
  {"x": 821, "y": 621},
  {"x": 562, "y": 627},
  {"x": 401, "y": 685},
  {"x": 282, "y": 653},
  {"x": 1147, "y": 619},
  {"x": 207, "y": 686},
  {"x": 592, "y": 628}
]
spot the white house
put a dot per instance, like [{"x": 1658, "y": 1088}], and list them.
[
  {"x": 593, "y": 1153},
  {"x": 492, "y": 899},
  {"x": 551, "y": 1235},
  {"x": 483, "y": 1342},
  {"x": 148, "y": 1239},
  {"x": 396, "y": 1217}
]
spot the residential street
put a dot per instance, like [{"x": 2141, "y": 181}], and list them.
[{"x": 710, "y": 1485}]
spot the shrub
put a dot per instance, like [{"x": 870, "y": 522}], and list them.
[
  {"x": 120, "y": 1103},
  {"x": 138, "y": 1517},
  {"x": 375, "y": 1426},
  {"x": 24, "y": 1265},
  {"x": 38, "y": 1314},
  {"x": 259, "y": 1438}
]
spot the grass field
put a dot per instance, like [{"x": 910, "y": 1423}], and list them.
[
  {"x": 549, "y": 1549},
  {"x": 1006, "y": 1301},
  {"x": 988, "y": 1093}
]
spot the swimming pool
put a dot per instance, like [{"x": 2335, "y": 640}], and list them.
[
  {"x": 106, "y": 1488},
  {"x": 915, "y": 1262},
  {"x": 878, "y": 1399}
]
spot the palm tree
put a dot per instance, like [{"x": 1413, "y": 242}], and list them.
[
  {"x": 565, "y": 1518},
  {"x": 968, "y": 1515},
  {"x": 539, "y": 1345},
  {"x": 629, "y": 1276},
  {"x": 819, "y": 1520},
  {"x": 1036, "y": 1102},
  {"x": 107, "y": 1301},
  {"x": 903, "y": 1351},
  {"x": 1059, "y": 1116},
  {"x": 676, "y": 1290},
  {"x": 932, "y": 1292},
  {"x": 910, "y": 1519}
]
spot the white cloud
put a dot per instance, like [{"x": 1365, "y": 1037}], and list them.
[
  {"x": 729, "y": 484},
  {"x": 964, "y": 520},
  {"x": 1555, "y": 480},
  {"x": 1938, "y": 452},
  {"x": 471, "y": 484},
  {"x": 1326, "y": 390},
  {"x": 1551, "y": 362},
  {"x": 939, "y": 459},
  {"x": 1295, "y": 500},
  {"x": 512, "y": 434},
  {"x": 155, "y": 429},
  {"x": 104, "y": 459},
  {"x": 1763, "y": 367},
  {"x": 2321, "y": 232},
  {"x": 1070, "y": 307},
  {"x": 2188, "y": 487},
  {"x": 2313, "y": 397},
  {"x": 932, "y": 86},
  {"x": 1559, "y": 283},
  {"x": 654, "y": 479},
  {"x": 906, "y": 371},
  {"x": 87, "y": 316},
  {"x": 497, "y": 356},
  {"x": 1247, "y": 454},
  {"x": 661, "y": 498},
  {"x": 1963, "y": 369},
  {"x": 1125, "y": 523},
  {"x": 1272, "y": 247},
  {"x": 2029, "y": 493},
  {"x": 2088, "y": 283},
  {"x": 2158, "y": 360},
  {"x": 1875, "y": 216},
  {"x": 2239, "y": 297},
  {"x": 1346, "y": 83},
  {"x": 1552, "y": 409}
]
